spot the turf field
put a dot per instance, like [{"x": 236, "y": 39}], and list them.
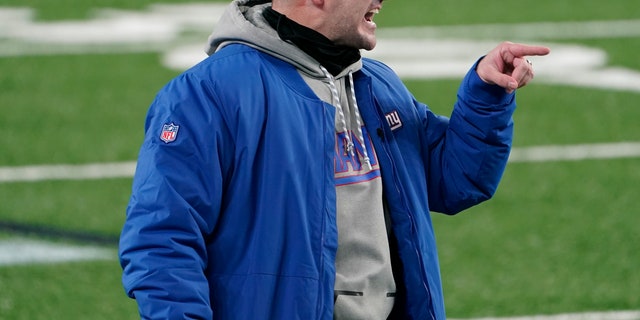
[{"x": 560, "y": 236}]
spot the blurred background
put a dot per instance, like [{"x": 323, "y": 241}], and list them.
[{"x": 560, "y": 236}]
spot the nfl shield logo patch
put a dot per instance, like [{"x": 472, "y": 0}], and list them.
[{"x": 169, "y": 132}]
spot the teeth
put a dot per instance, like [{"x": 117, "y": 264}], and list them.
[{"x": 369, "y": 16}]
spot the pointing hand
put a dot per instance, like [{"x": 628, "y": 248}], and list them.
[{"x": 507, "y": 65}]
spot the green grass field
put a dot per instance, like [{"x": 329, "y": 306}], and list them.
[{"x": 558, "y": 236}]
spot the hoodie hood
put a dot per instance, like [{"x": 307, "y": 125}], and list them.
[{"x": 243, "y": 22}]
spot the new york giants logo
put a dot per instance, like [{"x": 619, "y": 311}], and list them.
[
  {"x": 393, "y": 119},
  {"x": 349, "y": 168}
]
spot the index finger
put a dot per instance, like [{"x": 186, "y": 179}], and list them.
[{"x": 521, "y": 50}]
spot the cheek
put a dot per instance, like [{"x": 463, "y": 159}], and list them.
[
  {"x": 348, "y": 17},
  {"x": 343, "y": 25}
]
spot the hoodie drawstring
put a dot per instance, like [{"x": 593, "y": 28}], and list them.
[
  {"x": 335, "y": 97},
  {"x": 356, "y": 111}
]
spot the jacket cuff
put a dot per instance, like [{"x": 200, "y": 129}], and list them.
[{"x": 490, "y": 94}]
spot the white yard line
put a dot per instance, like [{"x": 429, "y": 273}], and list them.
[
  {"x": 422, "y": 52},
  {"x": 127, "y": 169},
  {"x": 17, "y": 251},
  {"x": 22, "y": 251},
  {"x": 610, "y": 315},
  {"x": 522, "y": 31},
  {"x": 576, "y": 152},
  {"x": 163, "y": 23},
  {"x": 67, "y": 172}
]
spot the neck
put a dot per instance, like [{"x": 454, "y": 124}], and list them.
[{"x": 333, "y": 57}]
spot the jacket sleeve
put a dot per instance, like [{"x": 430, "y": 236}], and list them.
[
  {"x": 174, "y": 205},
  {"x": 469, "y": 151}
]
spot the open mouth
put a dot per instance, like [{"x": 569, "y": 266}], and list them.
[{"x": 369, "y": 16}]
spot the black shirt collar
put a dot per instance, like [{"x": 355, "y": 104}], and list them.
[{"x": 333, "y": 57}]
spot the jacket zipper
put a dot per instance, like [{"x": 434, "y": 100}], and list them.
[{"x": 397, "y": 185}]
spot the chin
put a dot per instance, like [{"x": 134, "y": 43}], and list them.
[
  {"x": 368, "y": 41},
  {"x": 362, "y": 41},
  {"x": 369, "y": 44}
]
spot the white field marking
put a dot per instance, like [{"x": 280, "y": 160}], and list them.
[
  {"x": 160, "y": 23},
  {"x": 165, "y": 22},
  {"x": 522, "y": 31},
  {"x": 418, "y": 58},
  {"x": 574, "y": 65},
  {"x": 15, "y": 251},
  {"x": 576, "y": 152},
  {"x": 68, "y": 172},
  {"x": 414, "y": 52},
  {"x": 610, "y": 315},
  {"x": 127, "y": 169}
]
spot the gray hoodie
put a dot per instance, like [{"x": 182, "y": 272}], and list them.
[{"x": 364, "y": 287}]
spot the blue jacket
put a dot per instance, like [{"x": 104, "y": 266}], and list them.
[{"x": 232, "y": 214}]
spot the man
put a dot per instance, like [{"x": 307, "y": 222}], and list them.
[{"x": 285, "y": 177}]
